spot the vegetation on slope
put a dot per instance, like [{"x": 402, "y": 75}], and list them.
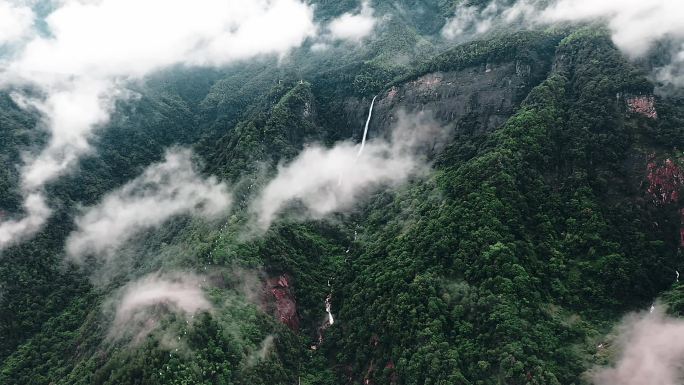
[{"x": 505, "y": 266}]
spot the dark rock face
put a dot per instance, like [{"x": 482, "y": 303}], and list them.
[
  {"x": 489, "y": 94},
  {"x": 282, "y": 301}
]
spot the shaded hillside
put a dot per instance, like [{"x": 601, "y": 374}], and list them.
[{"x": 553, "y": 210}]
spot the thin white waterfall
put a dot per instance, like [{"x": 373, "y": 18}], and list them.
[{"x": 365, "y": 129}]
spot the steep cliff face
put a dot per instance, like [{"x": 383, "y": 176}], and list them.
[
  {"x": 489, "y": 93},
  {"x": 479, "y": 86}
]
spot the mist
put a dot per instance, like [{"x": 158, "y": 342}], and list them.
[
  {"x": 265, "y": 347},
  {"x": 651, "y": 351},
  {"x": 14, "y": 230},
  {"x": 80, "y": 66},
  {"x": 140, "y": 305},
  {"x": 353, "y": 26},
  {"x": 16, "y": 21},
  {"x": 635, "y": 25},
  {"x": 327, "y": 180},
  {"x": 164, "y": 190}
]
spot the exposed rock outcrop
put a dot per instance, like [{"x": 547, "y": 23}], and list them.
[
  {"x": 642, "y": 105},
  {"x": 489, "y": 93},
  {"x": 282, "y": 301},
  {"x": 665, "y": 180}
]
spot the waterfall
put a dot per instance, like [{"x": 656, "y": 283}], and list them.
[
  {"x": 365, "y": 129},
  {"x": 328, "y": 309},
  {"x": 365, "y": 134}
]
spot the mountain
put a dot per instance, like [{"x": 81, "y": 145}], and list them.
[{"x": 517, "y": 194}]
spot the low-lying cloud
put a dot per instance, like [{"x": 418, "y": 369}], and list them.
[
  {"x": 16, "y": 22},
  {"x": 470, "y": 21},
  {"x": 79, "y": 66},
  {"x": 140, "y": 305},
  {"x": 37, "y": 213},
  {"x": 651, "y": 351},
  {"x": 172, "y": 187},
  {"x": 353, "y": 26},
  {"x": 327, "y": 180},
  {"x": 265, "y": 347},
  {"x": 636, "y": 25}
]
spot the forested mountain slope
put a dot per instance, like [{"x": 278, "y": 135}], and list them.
[{"x": 550, "y": 211}]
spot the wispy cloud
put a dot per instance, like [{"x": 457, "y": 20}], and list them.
[
  {"x": 651, "y": 351},
  {"x": 140, "y": 305},
  {"x": 636, "y": 25},
  {"x": 353, "y": 26},
  {"x": 164, "y": 190},
  {"x": 327, "y": 180},
  {"x": 37, "y": 213},
  {"x": 265, "y": 347},
  {"x": 470, "y": 21},
  {"x": 16, "y": 22},
  {"x": 80, "y": 67}
]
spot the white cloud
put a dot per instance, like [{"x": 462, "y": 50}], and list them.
[
  {"x": 164, "y": 190},
  {"x": 71, "y": 113},
  {"x": 651, "y": 351},
  {"x": 37, "y": 213},
  {"x": 673, "y": 73},
  {"x": 140, "y": 304},
  {"x": 265, "y": 347},
  {"x": 635, "y": 25},
  {"x": 353, "y": 26},
  {"x": 469, "y": 20},
  {"x": 319, "y": 47},
  {"x": 16, "y": 22},
  {"x": 131, "y": 38},
  {"x": 327, "y": 180},
  {"x": 93, "y": 48}
]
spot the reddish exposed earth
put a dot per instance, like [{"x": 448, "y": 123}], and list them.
[
  {"x": 642, "y": 105},
  {"x": 284, "y": 303},
  {"x": 665, "y": 181},
  {"x": 681, "y": 228}
]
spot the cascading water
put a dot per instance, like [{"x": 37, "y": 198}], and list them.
[
  {"x": 365, "y": 129},
  {"x": 365, "y": 135},
  {"x": 328, "y": 309},
  {"x": 328, "y": 299}
]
